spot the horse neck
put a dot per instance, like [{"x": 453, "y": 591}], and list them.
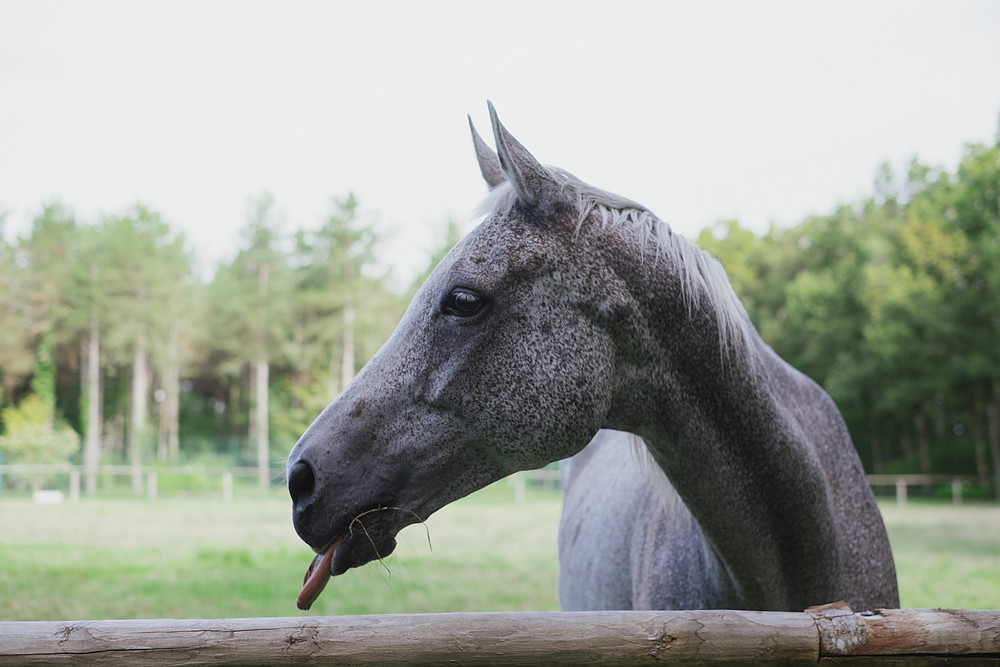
[{"x": 715, "y": 421}]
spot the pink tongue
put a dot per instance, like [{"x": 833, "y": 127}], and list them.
[{"x": 316, "y": 577}]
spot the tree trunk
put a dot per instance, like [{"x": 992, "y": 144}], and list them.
[
  {"x": 137, "y": 421},
  {"x": 906, "y": 442},
  {"x": 261, "y": 430},
  {"x": 347, "y": 366},
  {"x": 331, "y": 379},
  {"x": 878, "y": 462},
  {"x": 82, "y": 367},
  {"x": 978, "y": 442},
  {"x": 993, "y": 427},
  {"x": 261, "y": 378},
  {"x": 168, "y": 442},
  {"x": 92, "y": 441},
  {"x": 161, "y": 433},
  {"x": 923, "y": 442}
]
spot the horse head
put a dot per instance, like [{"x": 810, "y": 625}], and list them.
[{"x": 503, "y": 361}]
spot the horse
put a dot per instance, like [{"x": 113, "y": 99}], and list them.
[
  {"x": 719, "y": 476},
  {"x": 628, "y": 541}
]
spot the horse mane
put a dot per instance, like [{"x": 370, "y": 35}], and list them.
[{"x": 704, "y": 282}]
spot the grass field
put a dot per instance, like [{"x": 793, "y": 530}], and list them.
[{"x": 201, "y": 558}]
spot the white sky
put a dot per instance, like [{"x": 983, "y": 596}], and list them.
[{"x": 763, "y": 111}]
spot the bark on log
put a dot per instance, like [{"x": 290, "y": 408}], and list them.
[
  {"x": 902, "y": 632},
  {"x": 556, "y": 638},
  {"x": 828, "y": 636}
]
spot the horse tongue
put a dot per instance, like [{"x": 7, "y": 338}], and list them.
[{"x": 316, "y": 577}]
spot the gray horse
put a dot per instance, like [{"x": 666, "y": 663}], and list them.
[
  {"x": 566, "y": 311},
  {"x": 610, "y": 560}
]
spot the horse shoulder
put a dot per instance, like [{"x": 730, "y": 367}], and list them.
[
  {"x": 863, "y": 554},
  {"x": 627, "y": 540}
]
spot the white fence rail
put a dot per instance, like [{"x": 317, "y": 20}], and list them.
[
  {"x": 146, "y": 479},
  {"x": 902, "y": 482}
]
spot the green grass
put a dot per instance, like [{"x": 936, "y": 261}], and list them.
[
  {"x": 201, "y": 558},
  {"x": 197, "y": 557},
  {"x": 946, "y": 556}
]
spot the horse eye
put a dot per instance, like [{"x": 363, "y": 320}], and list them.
[{"x": 462, "y": 302}]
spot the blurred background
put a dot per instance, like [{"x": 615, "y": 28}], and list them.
[{"x": 212, "y": 214}]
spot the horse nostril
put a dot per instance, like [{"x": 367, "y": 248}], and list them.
[{"x": 301, "y": 482}]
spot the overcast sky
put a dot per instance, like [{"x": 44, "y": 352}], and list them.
[{"x": 761, "y": 111}]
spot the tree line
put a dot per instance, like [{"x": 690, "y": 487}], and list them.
[
  {"x": 112, "y": 348},
  {"x": 893, "y": 305}
]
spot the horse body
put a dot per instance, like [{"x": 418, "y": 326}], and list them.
[
  {"x": 627, "y": 542},
  {"x": 570, "y": 310},
  {"x": 757, "y": 451}
]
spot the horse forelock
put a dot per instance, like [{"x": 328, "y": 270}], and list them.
[{"x": 704, "y": 282}]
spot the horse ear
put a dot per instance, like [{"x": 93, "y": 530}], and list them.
[
  {"x": 532, "y": 182},
  {"x": 489, "y": 163}
]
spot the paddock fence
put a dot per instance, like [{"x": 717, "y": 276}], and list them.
[
  {"x": 831, "y": 635},
  {"x": 901, "y": 483},
  {"x": 64, "y": 480}
]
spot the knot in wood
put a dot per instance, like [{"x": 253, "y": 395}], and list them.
[{"x": 660, "y": 642}]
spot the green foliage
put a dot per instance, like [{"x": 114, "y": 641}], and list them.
[
  {"x": 294, "y": 405},
  {"x": 336, "y": 301},
  {"x": 43, "y": 380},
  {"x": 451, "y": 237},
  {"x": 31, "y": 434},
  {"x": 893, "y": 306},
  {"x": 33, "y": 280},
  {"x": 251, "y": 313},
  {"x": 126, "y": 288},
  {"x": 142, "y": 268}
]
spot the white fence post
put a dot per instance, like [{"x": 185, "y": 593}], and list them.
[
  {"x": 227, "y": 486},
  {"x": 74, "y": 485},
  {"x": 151, "y": 485},
  {"x": 900, "y": 491},
  {"x": 520, "y": 487}
]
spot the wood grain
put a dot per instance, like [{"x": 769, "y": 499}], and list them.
[{"x": 823, "y": 636}]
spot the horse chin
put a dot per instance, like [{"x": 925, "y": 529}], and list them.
[{"x": 360, "y": 548}]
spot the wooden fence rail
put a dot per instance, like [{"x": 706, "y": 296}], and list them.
[{"x": 825, "y": 636}]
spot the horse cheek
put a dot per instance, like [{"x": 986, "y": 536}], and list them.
[{"x": 550, "y": 395}]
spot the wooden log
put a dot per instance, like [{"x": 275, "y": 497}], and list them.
[
  {"x": 555, "y": 638},
  {"x": 909, "y": 632},
  {"x": 831, "y": 635}
]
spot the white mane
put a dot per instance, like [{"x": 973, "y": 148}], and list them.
[
  {"x": 704, "y": 281},
  {"x": 703, "y": 284}
]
